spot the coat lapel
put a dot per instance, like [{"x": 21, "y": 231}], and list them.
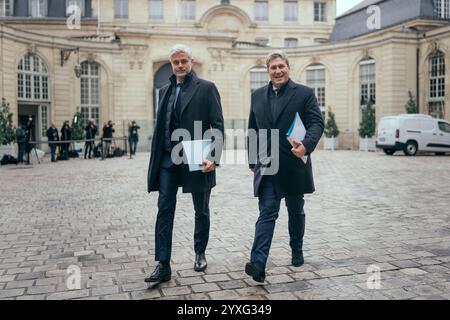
[
  {"x": 287, "y": 96},
  {"x": 188, "y": 92}
]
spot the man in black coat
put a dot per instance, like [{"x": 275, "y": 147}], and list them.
[
  {"x": 133, "y": 137},
  {"x": 53, "y": 136},
  {"x": 66, "y": 135},
  {"x": 273, "y": 108},
  {"x": 187, "y": 99},
  {"x": 91, "y": 131}
]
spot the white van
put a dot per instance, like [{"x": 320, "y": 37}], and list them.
[{"x": 412, "y": 133}]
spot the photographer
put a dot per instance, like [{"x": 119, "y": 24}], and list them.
[
  {"x": 133, "y": 137},
  {"x": 66, "y": 135},
  {"x": 108, "y": 131},
  {"x": 53, "y": 136},
  {"x": 21, "y": 141},
  {"x": 91, "y": 131}
]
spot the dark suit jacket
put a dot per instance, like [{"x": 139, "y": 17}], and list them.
[
  {"x": 294, "y": 177},
  {"x": 200, "y": 101}
]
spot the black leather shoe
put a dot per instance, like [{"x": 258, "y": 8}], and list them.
[
  {"x": 200, "y": 262},
  {"x": 162, "y": 273},
  {"x": 256, "y": 270},
  {"x": 297, "y": 258}
]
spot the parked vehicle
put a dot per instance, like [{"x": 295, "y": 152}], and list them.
[{"x": 413, "y": 133}]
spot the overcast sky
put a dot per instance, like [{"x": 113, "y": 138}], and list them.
[{"x": 344, "y": 5}]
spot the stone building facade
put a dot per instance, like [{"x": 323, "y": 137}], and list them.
[{"x": 112, "y": 63}]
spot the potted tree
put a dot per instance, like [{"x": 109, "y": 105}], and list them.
[
  {"x": 7, "y": 130},
  {"x": 367, "y": 128},
  {"x": 411, "y": 105},
  {"x": 78, "y": 130},
  {"x": 331, "y": 132}
]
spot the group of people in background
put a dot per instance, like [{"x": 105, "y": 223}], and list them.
[{"x": 61, "y": 140}]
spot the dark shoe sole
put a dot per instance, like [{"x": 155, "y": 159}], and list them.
[
  {"x": 251, "y": 271},
  {"x": 165, "y": 279},
  {"x": 200, "y": 269}
]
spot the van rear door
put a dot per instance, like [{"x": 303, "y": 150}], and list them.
[{"x": 386, "y": 131}]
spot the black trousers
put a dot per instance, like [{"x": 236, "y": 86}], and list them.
[
  {"x": 169, "y": 182},
  {"x": 88, "y": 146}
]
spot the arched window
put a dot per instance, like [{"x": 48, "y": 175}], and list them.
[
  {"x": 258, "y": 78},
  {"x": 90, "y": 91},
  {"x": 32, "y": 80},
  {"x": 436, "y": 96},
  {"x": 315, "y": 79},
  {"x": 367, "y": 79}
]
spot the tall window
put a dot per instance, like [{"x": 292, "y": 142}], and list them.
[
  {"x": 44, "y": 119},
  {"x": 290, "y": 10},
  {"x": 32, "y": 79},
  {"x": 320, "y": 11},
  {"x": 188, "y": 9},
  {"x": 442, "y": 8},
  {"x": 37, "y": 8},
  {"x": 156, "y": 9},
  {"x": 261, "y": 10},
  {"x": 77, "y": 3},
  {"x": 367, "y": 81},
  {"x": 436, "y": 103},
  {"x": 90, "y": 91},
  {"x": 258, "y": 78},
  {"x": 121, "y": 9},
  {"x": 291, "y": 42},
  {"x": 315, "y": 79},
  {"x": 6, "y": 8}
]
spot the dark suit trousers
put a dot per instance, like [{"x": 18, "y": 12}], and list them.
[
  {"x": 269, "y": 206},
  {"x": 169, "y": 181}
]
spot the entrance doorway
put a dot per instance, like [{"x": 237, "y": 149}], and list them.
[{"x": 35, "y": 118}]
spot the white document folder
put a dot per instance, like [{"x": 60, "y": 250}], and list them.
[
  {"x": 195, "y": 151},
  {"x": 297, "y": 133}
]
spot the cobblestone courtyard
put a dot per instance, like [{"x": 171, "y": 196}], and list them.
[{"x": 370, "y": 210}]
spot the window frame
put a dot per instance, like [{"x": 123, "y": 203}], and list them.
[
  {"x": 260, "y": 81},
  {"x": 320, "y": 12},
  {"x": 186, "y": 7},
  {"x": 3, "y": 4},
  {"x": 121, "y": 9},
  {"x": 318, "y": 84},
  {"x": 151, "y": 5},
  {"x": 90, "y": 81},
  {"x": 41, "y": 14},
  {"x": 367, "y": 82},
  {"x": 33, "y": 85},
  {"x": 261, "y": 10},
  {"x": 292, "y": 39},
  {"x": 293, "y": 17}
]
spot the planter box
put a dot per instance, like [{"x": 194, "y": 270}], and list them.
[
  {"x": 367, "y": 144},
  {"x": 330, "y": 143},
  {"x": 8, "y": 149}
]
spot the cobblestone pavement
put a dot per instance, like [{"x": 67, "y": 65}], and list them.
[{"x": 370, "y": 211}]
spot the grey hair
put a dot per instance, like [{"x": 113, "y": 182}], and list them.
[
  {"x": 180, "y": 48},
  {"x": 275, "y": 55}
]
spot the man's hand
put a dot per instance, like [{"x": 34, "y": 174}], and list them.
[
  {"x": 208, "y": 166},
  {"x": 299, "y": 150}
]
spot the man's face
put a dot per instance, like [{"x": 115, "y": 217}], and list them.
[
  {"x": 181, "y": 65},
  {"x": 279, "y": 72}
]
